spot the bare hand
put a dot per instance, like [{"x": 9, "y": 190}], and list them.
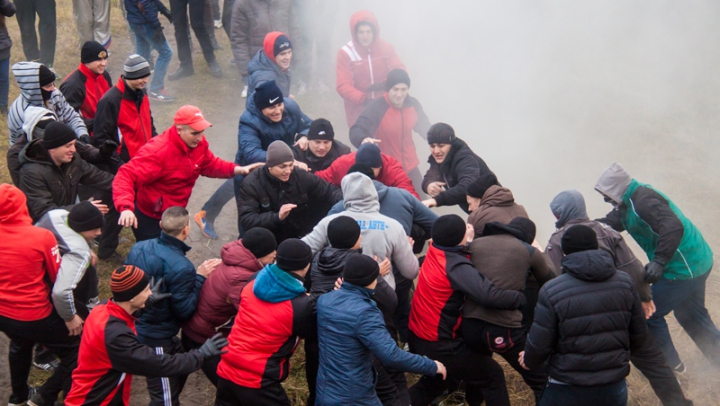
[
  {"x": 93, "y": 258},
  {"x": 371, "y": 140},
  {"x": 102, "y": 207},
  {"x": 302, "y": 143},
  {"x": 385, "y": 266},
  {"x": 301, "y": 165},
  {"x": 338, "y": 283},
  {"x": 411, "y": 241},
  {"x": 128, "y": 219},
  {"x": 435, "y": 188},
  {"x": 441, "y": 369},
  {"x": 75, "y": 325},
  {"x": 207, "y": 267},
  {"x": 649, "y": 308},
  {"x": 521, "y": 360},
  {"x": 244, "y": 170},
  {"x": 469, "y": 233},
  {"x": 285, "y": 210},
  {"x": 430, "y": 203}
]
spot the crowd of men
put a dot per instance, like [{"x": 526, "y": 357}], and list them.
[{"x": 331, "y": 244}]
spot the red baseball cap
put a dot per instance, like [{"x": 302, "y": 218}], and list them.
[{"x": 191, "y": 116}]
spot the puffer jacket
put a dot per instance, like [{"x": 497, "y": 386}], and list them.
[
  {"x": 253, "y": 19},
  {"x": 220, "y": 295},
  {"x": 262, "y": 69},
  {"x": 351, "y": 331},
  {"x": 587, "y": 322},
  {"x": 498, "y": 205},
  {"x": 256, "y": 132},
  {"x": 460, "y": 168},
  {"x": 164, "y": 257},
  {"x": 48, "y": 186},
  {"x": 361, "y": 72},
  {"x": 7, "y": 9},
  {"x": 317, "y": 164},
  {"x": 26, "y": 74}
]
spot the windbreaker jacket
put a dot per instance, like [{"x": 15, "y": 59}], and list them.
[
  {"x": 361, "y": 72},
  {"x": 7, "y": 9},
  {"x": 394, "y": 127},
  {"x": 164, "y": 172},
  {"x": 33, "y": 250},
  {"x": 83, "y": 89},
  {"x": 262, "y": 69},
  {"x": 110, "y": 354},
  {"x": 48, "y": 186},
  {"x": 460, "y": 168},
  {"x": 220, "y": 294},
  {"x": 587, "y": 322},
  {"x": 391, "y": 173},
  {"x": 317, "y": 164},
  {"x": 497, "y": 205},
  {"x": 381, "y": 235},
  {"x": 275, "y": 313},
  {"x": 26, "y": 74},
  {"x": 447, "y": 277},
  {"x": 144, "y": 12},
  {"x": 257, "y": 132},
  {"x": 351, "y": 331},
  {"x": 164, "y": 258},
  {"x": 123, "y": 116},
  {"x": 262, "y": 195}
]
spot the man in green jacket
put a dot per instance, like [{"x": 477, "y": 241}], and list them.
[{"x": 680, "y": 260}]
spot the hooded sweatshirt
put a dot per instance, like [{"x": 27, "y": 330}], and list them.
[
  {"x": 381, "y": 235},
  {"x": 27, "y": 76},
  {"x": 498, "y": 204},
  {"x": 263, "y": 68}
]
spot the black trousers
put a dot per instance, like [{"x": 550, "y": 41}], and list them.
[
  {"x": 528, "y": 311},
  {"x": 45, "y": 10},
  {"x": 210, "y": 365},
  {"x": 165, "y": 391},
  {"x": 111, "y": 229},
  {"x": 651, "y": 361},
  {"x": 483, "y": 376},
  {"x": 53, "y": 334},
  {"x": 401, "y": 317},
  {"x": 488, "y": 338},
  {"x": 179, "y": 10},
  {"x": 148, "y": 227},
  {"x": 227, "y": 15},
  {"x": 230, "y": 394}
]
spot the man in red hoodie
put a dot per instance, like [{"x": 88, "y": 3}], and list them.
[
  {"x": 26, "y": 310},
  {"x": 164, "y": 172}
]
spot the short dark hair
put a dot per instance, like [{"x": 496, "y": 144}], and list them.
[{"x": 174, "y": 219}]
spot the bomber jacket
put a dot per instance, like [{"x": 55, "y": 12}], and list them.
[
  {"x": 498, "y": 204},
  {"x": 317, "y": 164},
  {"x": 83, "y": 89}
]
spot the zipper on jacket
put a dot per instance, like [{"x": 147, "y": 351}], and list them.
[
  {"x": 402, "y": 138},
  {"x": 372, "y": 77}
]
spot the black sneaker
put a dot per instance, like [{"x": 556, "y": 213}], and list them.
[
  {"x": 680, "y": 368},
  {"x": 38, "y": 400},
  {"x": 215, "y": 70},
  {"x": 16, "y": 400},
  {"x": 181, "y": 73}
]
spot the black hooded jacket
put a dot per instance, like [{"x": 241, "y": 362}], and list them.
[{"x": 587, "y": 322}]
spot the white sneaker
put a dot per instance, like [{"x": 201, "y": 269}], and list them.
[
  {"x": 218, "y": 23},
  {"x": 244, "y": 93}
]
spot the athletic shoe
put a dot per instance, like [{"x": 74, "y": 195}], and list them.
[
  {"x": 38, "y": 400},
  {"x": 680, "y": 368},
  {"x": 49, "y": 366},
  {"x": 206, "y": 227},
  {"x": 244, "y": 93},
  {"x": 162, "y": 96},
  {"x": 215, "y": 70},
  {"x": 218, "y": 24},
  {"x": 57, "y": 76},
  {"x": 215, "y": 45},
  {"x": 92, "y": 303},
  {"x": 19, "y": 400},
  {"x": 181, "y": 73}
]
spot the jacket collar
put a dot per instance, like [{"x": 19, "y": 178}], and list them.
[
  {"x": 128, "y": 92},
  {"x": 115, "y": 310},
  {"x": 87, "y": 72},
  {"x": 458, "y": 249},
  {"x": 167, "y": 239},
  {"x": 360, "y": 289}
]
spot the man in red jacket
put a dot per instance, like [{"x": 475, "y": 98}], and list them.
[
  {"x": 30, "y": 263},
  {"x": 363, "y": 65},
  {"x": 387, "y": 169},
  {"x": 164, "y": 172}
]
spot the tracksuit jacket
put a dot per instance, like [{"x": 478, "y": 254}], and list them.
[{"x": 83, "y": 89}]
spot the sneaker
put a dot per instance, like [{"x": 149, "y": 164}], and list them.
[
  {"x": 162, "y": 96},
  {"x": 91, "y": 303},
  {"x": 50, "y": 366},
  {"x": 218, "y": 23},
  {"x": 38, "y": 400},
  {"x": 244, "y": 93},
  {"x": 57, "y": 76},
  {"x": 181, "y": 73},
  {"x": 19, "y": 400},
  {"x": 215, "y": 45},
  {"x": 215, "y": 70},
  {"x": 680, "y": 368},
  {"x": 206, "y": 227}
]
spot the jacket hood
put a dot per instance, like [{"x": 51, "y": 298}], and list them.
[
  {"x": 262, "y": 62},
  {"x": 568, "y": 205},
  {"x": 33, "y": 115},
  {"x": 359, "y": 193},
  {"x": 331, "y": 261},
  {"x": 13, "y": 206},
  {"x": 614, "y": 182},
  {"x": 36, "y": 153},
  {"x": 269, "y": 45},
  {"x": 27, "y": 75},
  {"x": 235, "y": 254},
  {"x": 497, "y": 228},
  {"x": 275, "y": 285},
  {"x": 498, "y": 196},
  {"x": 364, "y": 16},
  {"x": 591, "y": 266},
  {"x": 381, "y": 189}
]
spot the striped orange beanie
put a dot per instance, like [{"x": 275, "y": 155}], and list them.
[{"x": 126, "y": 282}]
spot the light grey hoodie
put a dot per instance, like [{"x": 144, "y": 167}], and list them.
[
  {"x": 381, "y": 235},
  {"x": 568, "y": 205},
  {"x": 614, "y": 182},
  {"x": 33, "y": 115}
]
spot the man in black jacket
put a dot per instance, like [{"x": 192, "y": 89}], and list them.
[
  {"x": 453, "y": 167},
  {"x": 587, "y": 323},
  {"x": 323, "y": 149},
  {"x": 285, "y": 200}
]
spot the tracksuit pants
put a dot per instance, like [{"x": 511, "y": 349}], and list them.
[
  {"x": 45, "y": 10},
  {"x": 93, "y": 20},
  {"x": 230, "y": 394},
  {"x": 651, "y": 361},
  {"x": 210, "y": 365},
  {"x": 166, "y": 391}
]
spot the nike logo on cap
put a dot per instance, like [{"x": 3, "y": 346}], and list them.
[{"x": 274, "y": 100}]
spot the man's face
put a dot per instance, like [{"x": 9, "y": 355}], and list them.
[
  {"x": 609, "y": 199},
  {"x": 190, "y": 137},
  {"x": 283, "y": 59},
  {"x": 137, "y": 84},
  {"x": 440, "y": 152},
  {"x": 267, "y": 259},
  {"x": 49, "y": 88},
  {"x": 397, "y": 94},
  {"x": 376, "y": 171},
  {"x": 473, "y": 203},
  {"x": 320, "y": 148},
  {"x": 365, "y": 35},
  {"x": 98, "y": 67},
  {"x": 142, "y": 297},
  {"x": 91, "y": 234},
  {"x": 274, "y": 113},
  {"x": 282, "y": 171},
  {"x": 63, "y": 154}
]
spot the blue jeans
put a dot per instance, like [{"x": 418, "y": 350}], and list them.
[
  {"x": 4, "y": 81},
  {"x": 687, "y": 299},
  {"x": 614, "y": 394},
  {"x": 148, "y": 38}
]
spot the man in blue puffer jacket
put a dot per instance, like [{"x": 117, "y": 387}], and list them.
[
  {"x": 164, "y": 257},
  {"x": 351, "y": 331}
]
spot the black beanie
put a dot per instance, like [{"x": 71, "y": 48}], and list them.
[
  {"x": 448, "y": 230},
  {"x": 282, "y": 43},
  {"x": 369, "y": 154},
  {"x": 362, "y": 168},
  {"x": 343, "y": 232},
  {"x": 260, "y": 241},
  {"x": 579, "y": 238},
  {"x": 267, "y": 94},
  {"x": 57, "y": 134},
  {"x": 92, "y": 51},
  {"x": 360, "y": 270},
  {"x": 321, "y": 129},
  {"x": 440, "y": 133},
  {"x": 84, "y": 216},
  {"x": 526, "y": 228},
  {"x": 293, "y": 255},
  {"x": 45, "y": 76},
  {"x": 396, "y": 76},
  {"x": 478, "y": 188}
]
